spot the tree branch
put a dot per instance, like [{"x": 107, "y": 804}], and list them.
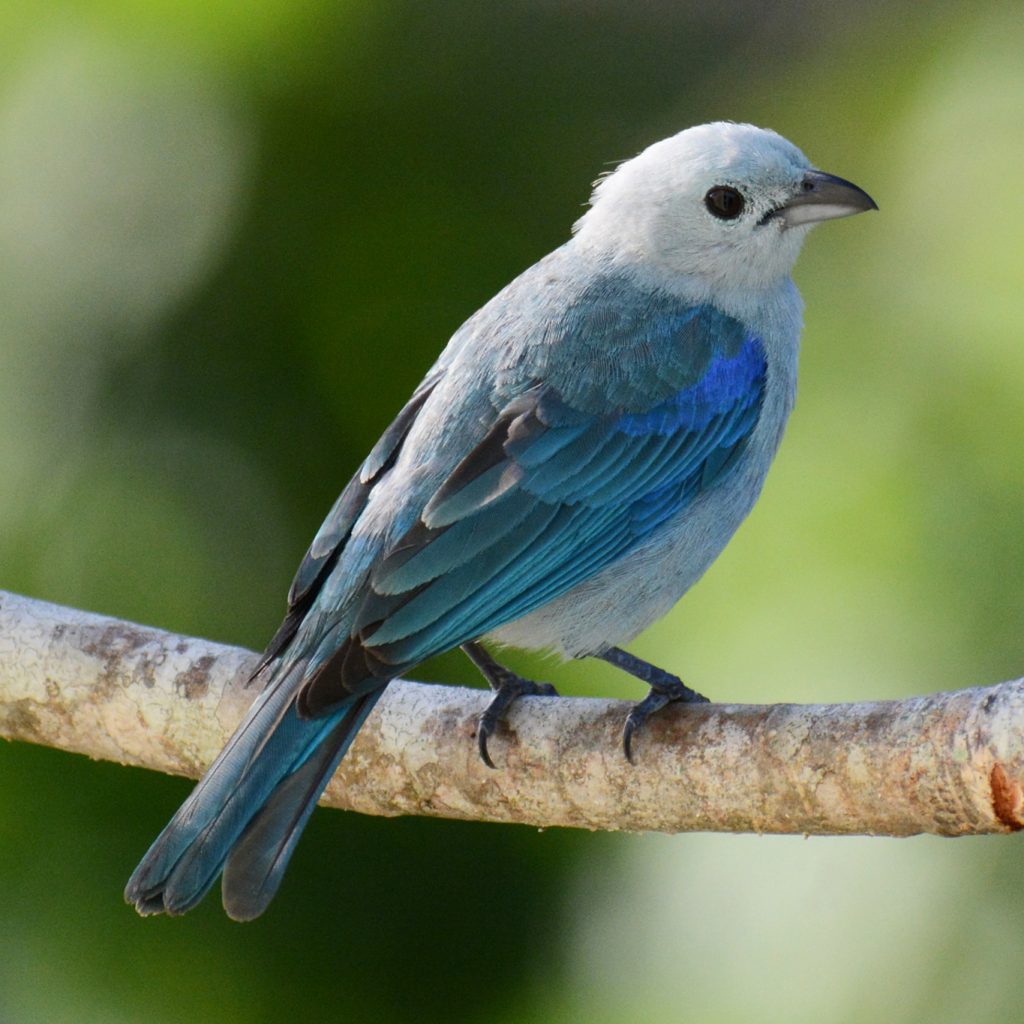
[{"x": 948, "y": 763}]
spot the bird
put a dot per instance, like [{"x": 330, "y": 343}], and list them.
[{"x": 580, "y": 453}]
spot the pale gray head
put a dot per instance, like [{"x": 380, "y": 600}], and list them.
[{"x": 722, "y": 207}]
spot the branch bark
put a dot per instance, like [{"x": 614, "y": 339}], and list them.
[{"x": 947, "y": 763}]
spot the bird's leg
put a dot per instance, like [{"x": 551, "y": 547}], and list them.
[
  {"x": 508, "y": 688},
  {"x": 665, "y": 689}
]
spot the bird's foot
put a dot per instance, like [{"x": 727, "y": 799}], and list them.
[
  {"x": 665, "y": 689},
  {"x": 511, "y": 689},
  {"x": 664, "y": 693},
  {"x": 508, "y": 688}
]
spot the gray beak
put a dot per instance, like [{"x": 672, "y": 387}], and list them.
[{"x": 822, "y": 197}]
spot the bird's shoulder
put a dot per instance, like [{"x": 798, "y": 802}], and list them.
[{"x": 598, "y": 334}]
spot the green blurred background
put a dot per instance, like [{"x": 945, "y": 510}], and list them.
[{"x": 234, "y": 235}]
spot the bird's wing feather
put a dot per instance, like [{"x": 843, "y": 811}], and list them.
[
  {"x": 549, "y": 497},
  {"x": 334, "y": 532}
]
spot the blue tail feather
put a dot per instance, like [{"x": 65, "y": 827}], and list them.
[
  {"x": 257, "y": 861},
  {"x": 250, "y": 806}
]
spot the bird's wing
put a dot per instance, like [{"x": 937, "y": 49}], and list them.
[
  {"x": 549, "y": 497},
  {"x": 330, "y": 539}
]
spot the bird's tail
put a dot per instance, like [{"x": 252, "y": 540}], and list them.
[{"x": 247, "y": 813}]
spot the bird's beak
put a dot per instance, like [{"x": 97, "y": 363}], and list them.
[{"x": 823, "y": 197}]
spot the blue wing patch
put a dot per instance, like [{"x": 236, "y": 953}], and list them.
[
  {"x": 550, "y": 497},
  {"x": 728, "y": 383}
]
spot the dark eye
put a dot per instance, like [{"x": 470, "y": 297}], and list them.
[{"x": 724, "y": 202}]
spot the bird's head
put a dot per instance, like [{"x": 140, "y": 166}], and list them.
[{"x": 720, "y": 207}]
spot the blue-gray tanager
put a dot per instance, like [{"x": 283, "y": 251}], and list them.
[{"x": 577, "y": 457}]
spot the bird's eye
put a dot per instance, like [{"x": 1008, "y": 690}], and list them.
[{"x": 724, "y": 202}]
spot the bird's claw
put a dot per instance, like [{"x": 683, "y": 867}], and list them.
[
  {"x": 510, "y": 688},
  {"x": 673, "y": 691}
]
